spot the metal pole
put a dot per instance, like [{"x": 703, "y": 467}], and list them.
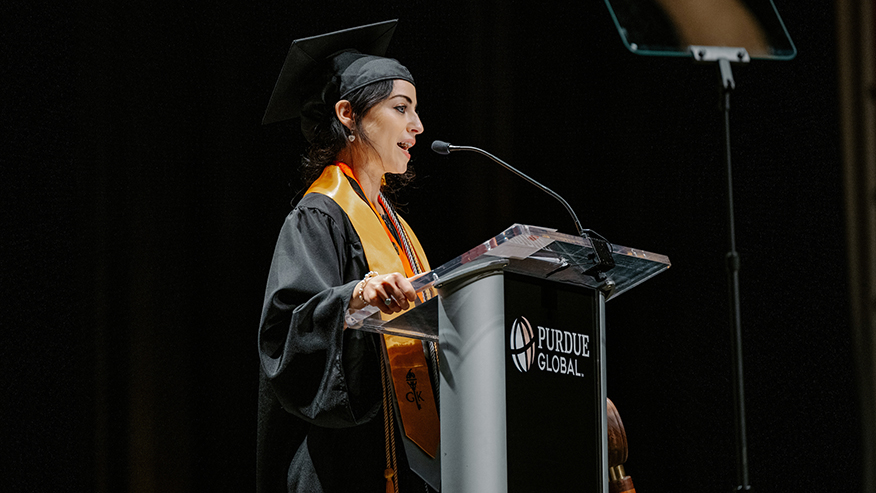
[{"x": 727, "y": 86}]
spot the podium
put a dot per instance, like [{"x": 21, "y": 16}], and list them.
[{"x": 520, "y": 326}]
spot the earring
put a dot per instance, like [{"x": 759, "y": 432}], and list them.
[{"x": 351, "y": 137}]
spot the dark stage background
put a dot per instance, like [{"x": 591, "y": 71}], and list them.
[{"x": 142, "y": 198}]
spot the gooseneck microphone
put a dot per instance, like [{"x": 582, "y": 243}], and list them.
[
  {"x": 603, "y": 257},
  {"x": 444, "y": 148}
]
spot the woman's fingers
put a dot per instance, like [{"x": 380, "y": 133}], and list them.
[
  {"x": 405, "y": 289},
  {"x": 391, "y": 293},
  {"x": 384, "y": 300}
]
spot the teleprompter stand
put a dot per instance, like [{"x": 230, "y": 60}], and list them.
[
  {"x": 670, "y": 29},
  {"x": 723, "y": 57},
  {"x": 521, "y": 329}
]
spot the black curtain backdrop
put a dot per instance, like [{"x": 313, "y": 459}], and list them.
[{"x": 142, "y": 198}]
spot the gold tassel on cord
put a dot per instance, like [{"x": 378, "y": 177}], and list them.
[
  {"x": 388, "y": 474},
  {"x": 388, "y": 426}
]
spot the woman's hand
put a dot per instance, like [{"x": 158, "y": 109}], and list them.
[{"x": 391, "y": 293}]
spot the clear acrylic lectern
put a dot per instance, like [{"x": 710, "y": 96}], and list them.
[{"x": 520, "y": 322}]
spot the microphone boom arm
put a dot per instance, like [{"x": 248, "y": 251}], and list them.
[
  {"x": 602, "y": 252},
  {"x": 519, "y": 173}
]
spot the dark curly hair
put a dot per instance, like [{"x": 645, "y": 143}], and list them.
[{"x": 330, "y": 135}]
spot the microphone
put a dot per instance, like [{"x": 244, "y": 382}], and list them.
[
  {"x": 441, "y": 147},
  {"x": 600, "y": 244}
]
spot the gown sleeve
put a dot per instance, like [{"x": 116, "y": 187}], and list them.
[{"x": 318, "y": 371}]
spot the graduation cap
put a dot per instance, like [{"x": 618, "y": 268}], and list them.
[{"x": 321, "y": 70}]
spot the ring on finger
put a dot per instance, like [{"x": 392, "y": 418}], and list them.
[{"x": 388, "y": 301}]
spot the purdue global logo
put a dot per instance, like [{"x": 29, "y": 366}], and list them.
[
  {"x": 522, "y": 344},
  {"x": 552, "y": 351}
]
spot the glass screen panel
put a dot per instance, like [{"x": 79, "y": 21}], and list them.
[{"x": 669, "y": 27}]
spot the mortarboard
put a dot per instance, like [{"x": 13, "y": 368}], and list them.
[{"x": 321, "y": 70}]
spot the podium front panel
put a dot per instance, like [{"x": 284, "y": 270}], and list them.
[{"x": 553, "y": 398}]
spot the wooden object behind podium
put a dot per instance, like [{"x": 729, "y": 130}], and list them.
[{"x": 618, "y": 481}]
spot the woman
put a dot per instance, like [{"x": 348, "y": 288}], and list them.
[{"x": 326, "y": 420}]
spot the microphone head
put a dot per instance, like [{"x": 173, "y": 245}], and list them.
[{"x": 441, "y": 147}]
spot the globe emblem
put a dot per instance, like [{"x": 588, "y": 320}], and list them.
[{"x": 522, "y": 344}]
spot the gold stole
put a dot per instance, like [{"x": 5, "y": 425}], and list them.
[{"x": 406, "y": 359}]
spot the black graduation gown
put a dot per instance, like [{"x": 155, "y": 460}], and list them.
[{"x": 320, "y": 423}]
